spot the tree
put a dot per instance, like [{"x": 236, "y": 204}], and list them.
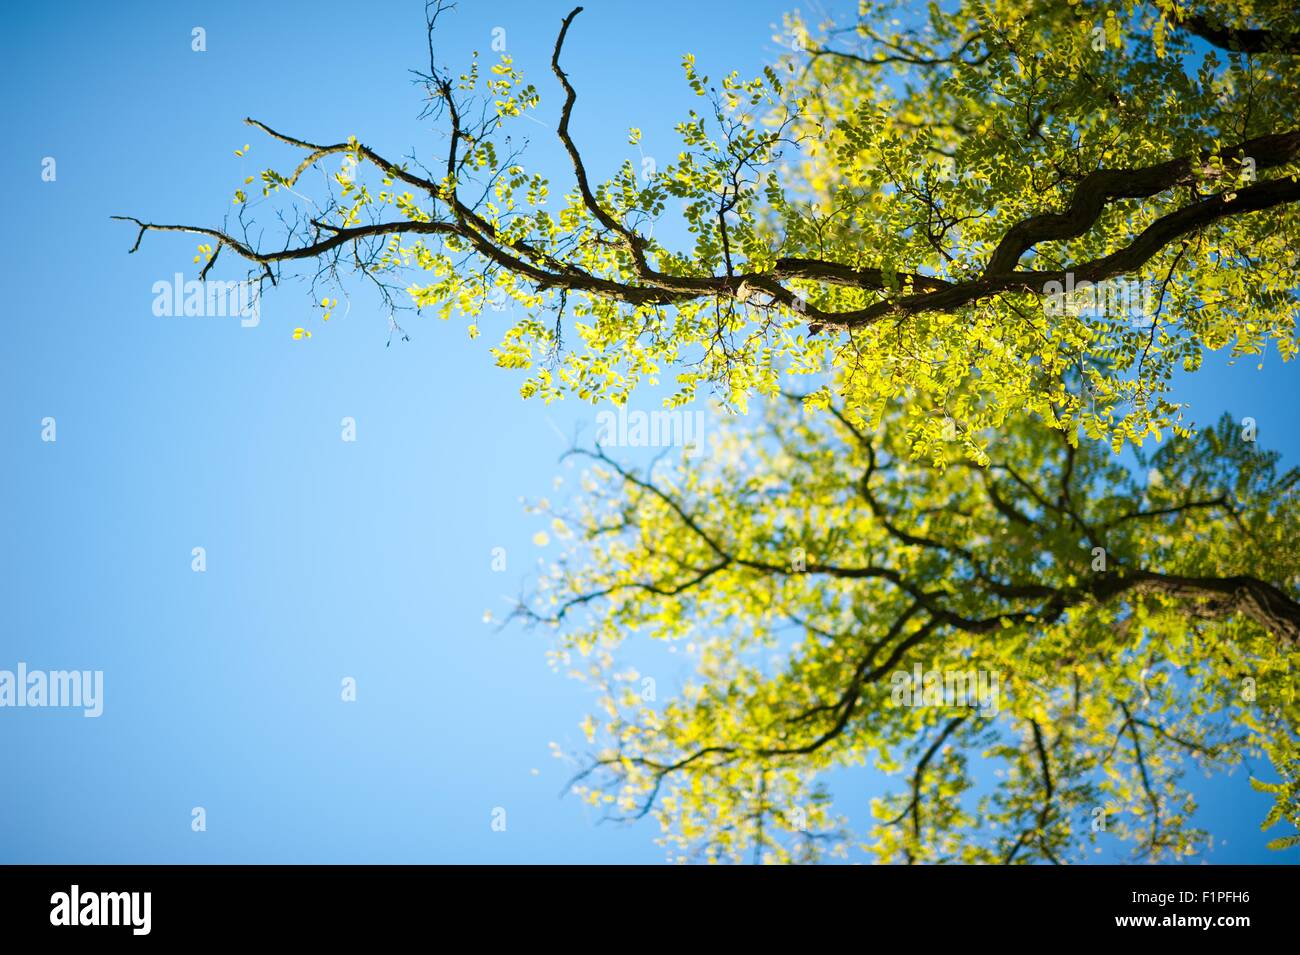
[
  {"x": 1067, "y": 630},
  {"x": 988, "y": 238},
  {"x": 1017, "y": 205}
]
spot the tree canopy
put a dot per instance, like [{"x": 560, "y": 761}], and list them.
[
  {"x": 900, "y": 204},
  {"x": 1122, "y": 620},
  {"x": 960, "y": 255}
]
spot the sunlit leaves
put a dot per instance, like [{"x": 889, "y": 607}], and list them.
[{"x": 1109, "y": 702}]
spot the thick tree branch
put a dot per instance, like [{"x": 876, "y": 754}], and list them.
[
  {"x": 1242, "y": 39},
  {"x": 1099, "y": 188}
]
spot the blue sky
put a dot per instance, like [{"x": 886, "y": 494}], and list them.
[{"x": 325, "y": 559}]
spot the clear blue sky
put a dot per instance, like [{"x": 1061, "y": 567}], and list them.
[{"x": 325, "y": 559}]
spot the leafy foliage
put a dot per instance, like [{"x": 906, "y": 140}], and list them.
[
  {"x": 1121, "y": 619},
  {"x": 978, "y": 235},
  {"x": 899, "y": 205},
  {"x": 1286, "y": 759}
]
